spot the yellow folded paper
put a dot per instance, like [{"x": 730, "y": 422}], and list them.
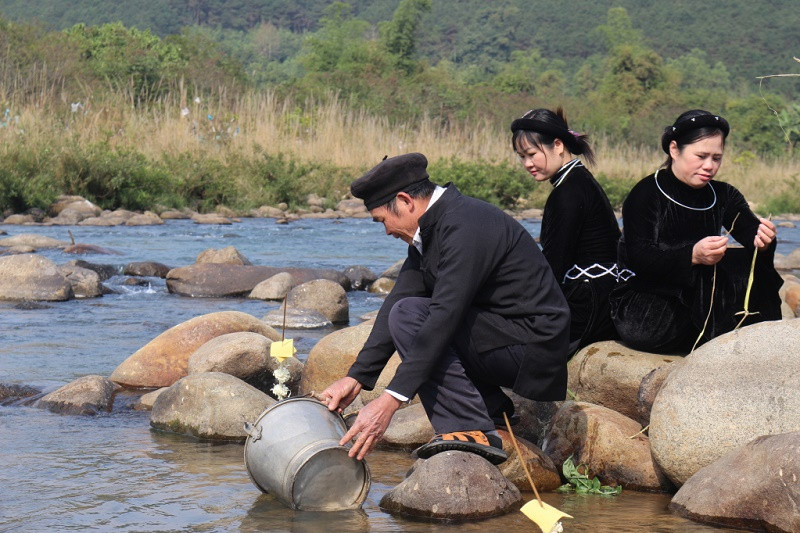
[
  {"x": 282, "y": 350},
  {"x": 545, "y": 516}
]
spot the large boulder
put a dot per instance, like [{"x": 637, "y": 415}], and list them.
[
  {"x": 32, "y": 277},
  {"x": 216, "y": 279},
  {"x": 146, "y": 268},
  {"x": 10, "y": 394},
  {"x": 148, "y": 218},
  {"x": 322, "y": 295},
  {"x": 648, "y": 390},
  {"x": 243, "y": 354},
  {"x": 88, "y": 395},
  {"x": 165, "y": 359},
  {"x": 452, "y": 486},
  {"x": 752, "y": 487},
  {"x": 33, "y": 240},
  {"x": 228, "y": 255},
  {"x": 296, "y": 319},
  {"x": 209, "y": 405},
  {"x": 609, "y": 374},
  {"x": 18, "y": 219},
  {"x": 210, "y": 218},
  {"x": 360, "y": 277},
  {"x": 76, "y": 203},
  {"x": 734, "y": 388},
  {"x": 610, "y": 444}
]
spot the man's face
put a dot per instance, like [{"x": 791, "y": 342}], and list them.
[{"x": 401, "y": 225}]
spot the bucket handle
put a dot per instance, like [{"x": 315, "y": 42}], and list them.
[{"x": 252, "y": 431}]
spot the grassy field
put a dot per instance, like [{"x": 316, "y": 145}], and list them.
[{"x": 252, "y": 149}]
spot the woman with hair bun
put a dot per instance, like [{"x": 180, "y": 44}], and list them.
[
  {"x": 579, "y": 230},
  {"x": 673, "y": 244}
]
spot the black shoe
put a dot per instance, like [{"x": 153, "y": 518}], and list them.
[{"x": 490, "y": 447}]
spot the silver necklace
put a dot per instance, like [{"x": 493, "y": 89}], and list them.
[
  {"x": 673, "y": 200},
  {"x": 572, "y": 164}
]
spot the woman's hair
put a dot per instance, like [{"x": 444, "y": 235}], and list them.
[
  {"x": 541, "y": 127},
  {"x": 690, "y": 127}
]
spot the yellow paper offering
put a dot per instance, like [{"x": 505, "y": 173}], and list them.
[
  {"x": 282, "y": 350},
  {"x": 545, "y": 516}
]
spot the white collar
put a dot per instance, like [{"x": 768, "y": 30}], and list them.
[{"x": 416, "y": 242}]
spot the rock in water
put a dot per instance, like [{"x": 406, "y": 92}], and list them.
[
  {"x": 322, "y": 295},
  {"x": 88, "y": 395},
  {"x": 452, "y": 486},
  {"x": 735, "y": 388},
  {"x": 32, "y": 277},
  {"x": 752, "y": 487},
  {"x": 164, "y": 360},
  {"x": 209, "y": 405}
]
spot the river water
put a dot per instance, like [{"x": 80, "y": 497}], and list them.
[{"x": 112, "y": 472}]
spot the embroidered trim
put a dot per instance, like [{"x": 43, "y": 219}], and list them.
[
  {"x": 673, "y": 200},
  {"x": 574, "y": 163},
  {"x": 597, "y": 271}
]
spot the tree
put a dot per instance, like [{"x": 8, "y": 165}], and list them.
[{"x": 399, "y": 35}]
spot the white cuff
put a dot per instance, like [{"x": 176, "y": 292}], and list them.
[{"x": 398, "y": 396}]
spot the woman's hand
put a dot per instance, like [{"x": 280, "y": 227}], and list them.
[
  {"x": 709, "y": 251},
  {"x": 765, "y": 235}
]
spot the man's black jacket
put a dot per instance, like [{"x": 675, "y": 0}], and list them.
[{"x": 480, "y": 267}]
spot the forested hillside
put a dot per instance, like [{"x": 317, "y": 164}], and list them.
[{"x": 205, "y": 102}]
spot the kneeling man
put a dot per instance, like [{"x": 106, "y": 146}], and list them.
[{"x": 475, "y": 308}]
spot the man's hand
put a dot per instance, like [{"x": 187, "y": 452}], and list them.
[
  {"x": 340, "y": 394},
  {"x": 370, "y": 424},
  {"x": 765, "y": 235},
  {"x": 709, "y": 251}
]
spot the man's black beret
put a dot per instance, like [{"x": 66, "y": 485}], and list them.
[{"x": 382, "y": 183}]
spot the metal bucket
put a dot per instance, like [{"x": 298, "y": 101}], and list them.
[{"x": 292, "y": 452}]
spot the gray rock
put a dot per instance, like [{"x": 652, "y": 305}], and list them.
[
  {"x": 243, "y": 354},
  {"x": 82, "y": 248},
  {"x": 609, "y": 374},
  {"x": 147, "y": 400},
  {"x": 32, "y": 277},
  {"x": 322, "y": 295},
  {"x": 88, "y": 395},
  {"x": 788, "y": 262},
  {"x": 19, "y": 219},
  {"x": 209, "y": 405},
  {"x": 77, "y": 204},
  {"x": 297, "y": 319},
  {"x": 106, "y": 221},
  {"x": 68, "y": 217},
  {"x": 544, "y": 472},
  {"x": 393, "y": 271},
  {"x": 266, "y": 211},
  {"x": 13, "y": 393},
  {"x": 273, "y": 288},
  {"x": 15, "y": 250},
  {"x": 352, "y": 206},
  {"x": 146, "y": 268},
  {"x": 752, "y": 487},
  {"x": 85, "y": 283},
  {"x": 219, "y": 280},
  {"x": 611, "y": 445},
  {"x": 734, "y": 388},
  {"x": 228, "y": 255},
  {"x": 360, "y": 277},
  {"x": 535, "y": 418},
  {"x": 409, "y": 428},
  {"x": 173, "y": 214},
  {"x": 148, "y": 218},
  {"x": 452, "y": 486},
  {"x": 34, "y": 240}
]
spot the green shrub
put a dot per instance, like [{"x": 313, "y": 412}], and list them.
[
  {"x": 617, "y": 189},
  {"x": 501, "y": 184}
]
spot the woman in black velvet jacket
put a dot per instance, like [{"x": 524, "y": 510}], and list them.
[
  {"x": 673, "y": 242},
  {"x": 579, "y": 230}
]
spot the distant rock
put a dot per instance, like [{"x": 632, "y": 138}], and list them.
[
  {"x": 88, "y": 395},
  {"x": 174, "y": 214},
  {"x": 452, "y": 486},
  {"x": 266, "y": 211},
  {"x": 164, "y": 360},
  {"x": 103, "y": 271},
  {"x": 85, "y": 283},
  {"x": 18, "y": 220},
  {"x": 352, "y": 207},
  {"x": 13, "y": 393},
  {"x": 210, "y": 406},
  {"x": 77, "y": 204},
  {"x": 734, "y": 388},
  {"x": 609, "y": 373},
  {"x": 382, "y": 285},
  {"x": 34, "y": 240},
  {"x": 81, "y": 248},
  {"x": 228, "y": 255},
  {"x": 322, "y": 295},
  {"x": 32, "y": 277},
  {"x": 753, "y": 487},
  {"x": 146, "y": 269},
  {"x": 211, "y": 218},
  {"x": 611, "y": 445},
  {"x": 148, "y": 218}
]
